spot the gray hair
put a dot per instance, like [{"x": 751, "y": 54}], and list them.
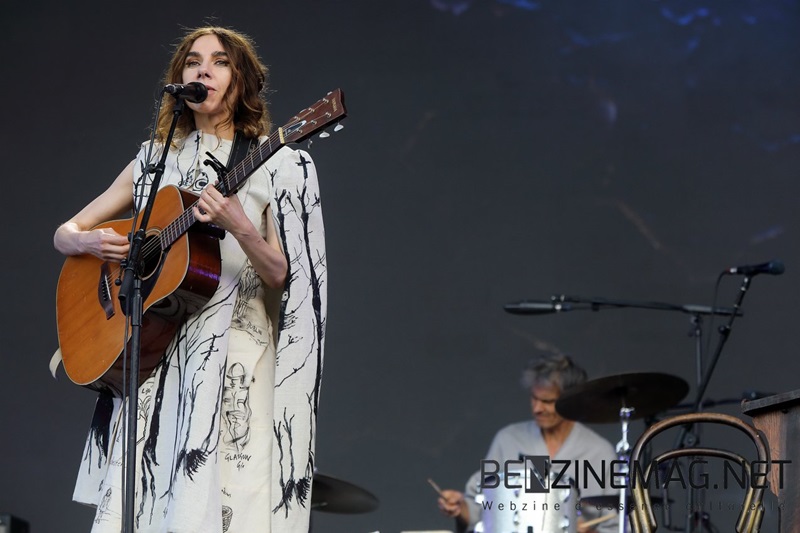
[{"x": 553, "y": 369}]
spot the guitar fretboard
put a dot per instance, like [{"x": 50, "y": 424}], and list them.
[
  {"x": 301, "y": 126},
  {"x": 232, "y": 181}
]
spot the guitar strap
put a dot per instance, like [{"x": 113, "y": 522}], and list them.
[{"x": 241, "y": 146}]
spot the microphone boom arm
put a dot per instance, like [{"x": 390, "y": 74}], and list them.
[{"x": 562, "y": 302}]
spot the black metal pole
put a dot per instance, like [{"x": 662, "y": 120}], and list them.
[
  {"x": 131, "y": 302},
  {"x": 687, "y": 435}
]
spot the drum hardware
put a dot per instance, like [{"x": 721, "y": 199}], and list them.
[
  {"x": 598, "y": 412},
  {"x": 623, "y": 397},
  {"x": 514, "y": 510},
  {"x": 600, "y": 401},
  {"x": 688, "y": 435},
  {"x": 623, "y": 450}
]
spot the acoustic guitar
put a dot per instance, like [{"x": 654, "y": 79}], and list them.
[{"x": 181, "y": 268}]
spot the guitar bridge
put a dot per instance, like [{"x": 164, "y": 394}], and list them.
[{"x": 104, "y": 291}]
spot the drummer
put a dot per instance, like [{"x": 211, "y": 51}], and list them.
[{"x": 547, "y": 434}]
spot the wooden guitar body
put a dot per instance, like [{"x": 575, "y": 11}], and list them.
[{"x": 176, "y": 282}]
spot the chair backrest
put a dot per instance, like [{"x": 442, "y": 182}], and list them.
[{"x": 642, "y": 517}]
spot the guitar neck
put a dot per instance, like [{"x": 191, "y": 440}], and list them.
[
  {"x": 233, "y": 181},
  {"x": 301, "y": 126}
]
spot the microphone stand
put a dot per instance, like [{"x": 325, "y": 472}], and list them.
[
  {"x": 131, "y": 302},
  {"x": 564, "y": 303},
  {"x": 687, "y": 436}
]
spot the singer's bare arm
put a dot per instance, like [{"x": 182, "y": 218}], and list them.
[
  {"x": 264, "y": 252},
  {"x": 75, "y": 236}
]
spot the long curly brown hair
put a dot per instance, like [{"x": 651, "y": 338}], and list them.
[{"x": 248, "y": 112}]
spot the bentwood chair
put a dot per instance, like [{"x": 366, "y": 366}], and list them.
[{"x": 642, "y": 518}]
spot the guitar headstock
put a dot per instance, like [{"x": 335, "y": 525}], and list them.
[{"x": 312, "y": 119}]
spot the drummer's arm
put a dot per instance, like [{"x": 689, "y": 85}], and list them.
[{"x": 452, "y": 503}]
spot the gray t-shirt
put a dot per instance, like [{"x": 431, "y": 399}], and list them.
[{"x": 582, "y": 445}]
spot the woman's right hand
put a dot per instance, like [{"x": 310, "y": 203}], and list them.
[
  {"x": 74, "y": 237},
  {"x": 105, "y": 243}
]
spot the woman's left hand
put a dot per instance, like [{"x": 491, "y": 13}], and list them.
[
  {"x": 264, "y": 253},
  {"x": 223, "y": 211}
]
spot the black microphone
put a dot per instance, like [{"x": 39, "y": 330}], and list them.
[
  {"x": 772, "y": 267},
  {"x": 194, "y": 92},
  {"x": 536, "y": 308}
]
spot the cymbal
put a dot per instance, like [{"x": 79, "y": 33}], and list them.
[
  {"x": 333, "y": 495},
  {"x": 600, "y": 400}
]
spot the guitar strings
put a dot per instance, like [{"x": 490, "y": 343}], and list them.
[{"x": 155, "y": 245}]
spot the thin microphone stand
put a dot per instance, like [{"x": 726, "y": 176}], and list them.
[
  {"x": 687, "y": 435},
  {"x": 130, "y": 297}
]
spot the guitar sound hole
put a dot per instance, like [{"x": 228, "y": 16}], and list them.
[{"x": 151, "y": 255}]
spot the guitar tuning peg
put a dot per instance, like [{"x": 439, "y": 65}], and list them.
[
  {"x": 324, "y": 135},
  {"x": 338, "y": 127}
]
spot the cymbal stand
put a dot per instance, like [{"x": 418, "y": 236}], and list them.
[
  {"x": 703, "y": 519},
  {"x": 623, "y": 450},
  {"x": 692, "y": 436},
  {"x": 696, "y": 497}
]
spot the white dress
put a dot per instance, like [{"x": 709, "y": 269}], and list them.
[{"x": 226, "y": 424}]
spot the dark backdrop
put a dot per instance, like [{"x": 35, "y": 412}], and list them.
[{"x": 495, "y": 151}]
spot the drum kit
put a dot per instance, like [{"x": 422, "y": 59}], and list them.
[
  {"x": 625, "y": 397},
  {"x": 622, "y": 398},
  {"x": 612, "y": 399},
  {"x": 618, "y": 398}
]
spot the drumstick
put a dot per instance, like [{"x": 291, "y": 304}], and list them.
[
  {"x": 436, "y": 487},
  {"x": 595, "y": 521}
]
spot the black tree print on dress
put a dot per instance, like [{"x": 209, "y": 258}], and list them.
[
  {"x": 305, "y": 273},
  {"x": 194, "y": 178},
  {"x": 187, "y": 357},
  {"x": 99, "y": 432}
]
